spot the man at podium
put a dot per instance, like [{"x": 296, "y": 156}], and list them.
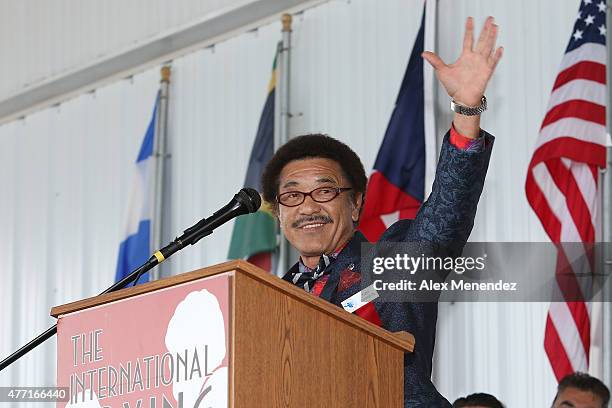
[{"x": 316, "y": 186}]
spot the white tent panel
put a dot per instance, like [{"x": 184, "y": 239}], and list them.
[
  {"x": 347, "y": 63},
  {"x": 495, "y": 348},
  {"x": 66, "y": 189}
]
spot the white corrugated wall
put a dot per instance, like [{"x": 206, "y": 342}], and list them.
[{"x": 66, "y": 183}]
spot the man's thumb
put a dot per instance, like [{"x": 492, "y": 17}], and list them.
[{"x": 433, "y": 59}]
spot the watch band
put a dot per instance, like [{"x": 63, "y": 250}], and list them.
[{"x": 469, "y": 110}]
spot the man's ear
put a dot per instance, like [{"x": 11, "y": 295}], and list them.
[{"x": 358, "y": 203}]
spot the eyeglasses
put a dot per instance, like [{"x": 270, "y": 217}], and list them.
[{"x": 320, "y": 195}]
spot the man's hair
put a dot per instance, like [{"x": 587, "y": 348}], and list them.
[
  {"x": 313, "y": 146},
  {"x": 585, "y": 382},
  {"x": 479, "y": 400}
]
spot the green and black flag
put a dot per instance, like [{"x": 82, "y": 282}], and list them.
[{"x": 254, "y": 235}]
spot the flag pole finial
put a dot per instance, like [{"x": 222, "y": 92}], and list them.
[
  {"x": 165, "y": 73},
  {"x": 286, "y": 19}
]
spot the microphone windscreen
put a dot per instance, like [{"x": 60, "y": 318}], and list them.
[{"x": 252, "y": 199}]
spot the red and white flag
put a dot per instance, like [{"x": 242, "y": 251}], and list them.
[{"x": 562, "y": 181}]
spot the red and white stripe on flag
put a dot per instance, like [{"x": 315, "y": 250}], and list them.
[{"x": 562, "y": 181}]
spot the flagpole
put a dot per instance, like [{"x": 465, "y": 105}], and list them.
[
  {"x": 430, "y": 43},
  {"x": 607, "y": 217},
  {"x": 429, "y": 88},
  {"x": 282, "y": 116},
  {"x": 159, "y": 153}
]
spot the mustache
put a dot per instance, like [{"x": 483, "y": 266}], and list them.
[{"x": 325, "y": 219}]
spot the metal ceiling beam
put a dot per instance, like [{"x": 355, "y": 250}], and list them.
[{"x": 215, "y": 28}]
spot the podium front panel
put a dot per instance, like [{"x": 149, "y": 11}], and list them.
[
  {"x": 287, "y": 353},
  {"x": 170, "y": 346}
]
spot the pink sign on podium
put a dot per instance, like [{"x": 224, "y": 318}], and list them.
[{"x": 168, "y": 348}]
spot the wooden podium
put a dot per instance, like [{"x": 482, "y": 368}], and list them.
[{"x": 230, "y": 335}]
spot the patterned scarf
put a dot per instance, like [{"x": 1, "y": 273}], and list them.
[{"x": 306, "y": 277}]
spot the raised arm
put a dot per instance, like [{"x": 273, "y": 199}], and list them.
[{"x": 448, "y": 214}]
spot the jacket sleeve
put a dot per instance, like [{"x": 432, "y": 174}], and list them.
[{"x": 447, "y": 217}]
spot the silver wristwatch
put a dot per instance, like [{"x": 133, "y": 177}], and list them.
[{"x": 469, "y": 110}]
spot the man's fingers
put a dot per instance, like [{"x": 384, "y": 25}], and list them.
[
  {"x": 484, "y": 36},
  {"x": 489, "y": 42},
  {"x": 435, "y": 61},
  {"x": 499, "y": 52},
  {"x": 468, "y": 37}
]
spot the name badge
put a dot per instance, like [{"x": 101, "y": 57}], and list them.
[{"x": 360, "y": 299}]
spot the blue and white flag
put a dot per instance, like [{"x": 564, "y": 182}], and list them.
[{"x": 135, "y": 249}]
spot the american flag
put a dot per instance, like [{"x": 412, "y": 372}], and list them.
[{"x": 562, "y": 180}]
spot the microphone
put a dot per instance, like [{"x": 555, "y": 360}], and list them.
[{"x": 245, "y": 201}]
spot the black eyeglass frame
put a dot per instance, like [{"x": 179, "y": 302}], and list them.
[{"x": 338, "y": 190}]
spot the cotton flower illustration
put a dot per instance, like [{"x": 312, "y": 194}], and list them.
[{"x": 197, "y": 324}]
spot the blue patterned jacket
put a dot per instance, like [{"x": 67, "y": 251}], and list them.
[{"x": 445, "y": 220}]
